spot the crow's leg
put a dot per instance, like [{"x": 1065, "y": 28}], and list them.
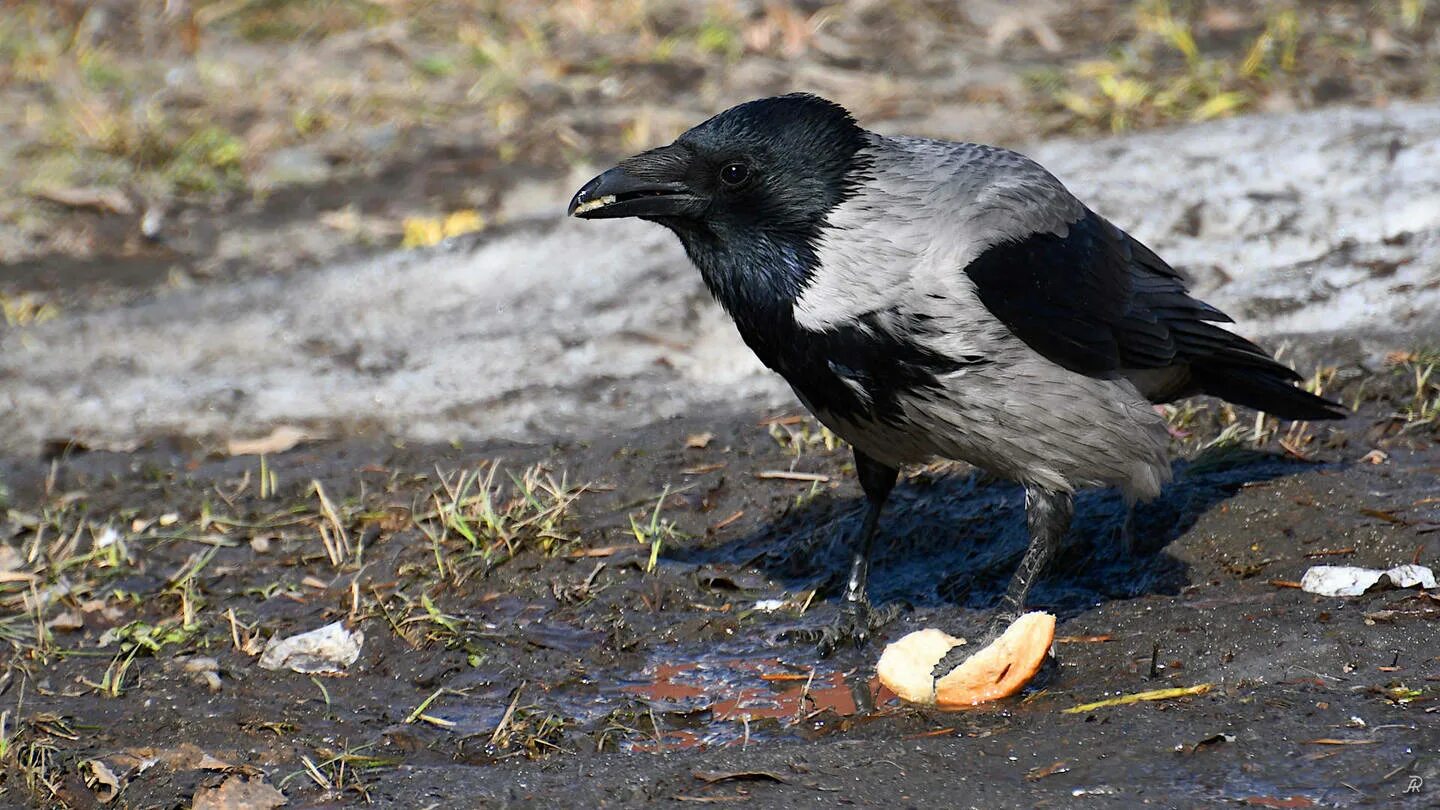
[
  {"x": 1047, "y": 514},
  {"x": 857, "y": 619},
  {"x": 1129, "y": 543}
]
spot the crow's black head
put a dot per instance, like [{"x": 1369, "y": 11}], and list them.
[
  {"x": 746, "y": 191},
  {"x": 773, "y": 164}
]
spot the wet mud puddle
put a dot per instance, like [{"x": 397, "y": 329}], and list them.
[
  {"x": 722, "y": 701},
  {"x": 731, "y": 696},
  {"x": 736, "y": 695}
]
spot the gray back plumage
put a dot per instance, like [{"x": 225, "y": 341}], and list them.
[
  {"x": 927, "y": 210},
  {"x": 893, "y": 256}
]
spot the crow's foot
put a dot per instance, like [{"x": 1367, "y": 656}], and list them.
[
  {"x": 854, "y": 627},
  {"x": 994, "y": 628}
]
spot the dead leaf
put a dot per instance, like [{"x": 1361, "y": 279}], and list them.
[
  {"x": 10, "y": 563},
  {"x": 711, "y": 777},
  {"x": 1223, "y": 20},
  {"x": 1058, "y": 766},
  {"x": 104, "y": 199},
  {"x": 238, "y": 793},
  {"x": 66, "y": 621},
  {"x": 427, "y": 231},
  {"x": 185, "y": 757},
  {"x": 102, "y": 780},
  {"x": 209, "y": 763},
  {"x": 345, "y": 219},
  {"x": 1002, "y": 22},
  {"x": 282, "y": 438},
  {"x": 699, "y": 441},
  {"x": 9, "y": 558}
]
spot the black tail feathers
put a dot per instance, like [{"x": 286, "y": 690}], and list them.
[{"x": 1269, "y": 388}]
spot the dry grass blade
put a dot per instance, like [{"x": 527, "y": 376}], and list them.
[
  {"x": 789, "y": 475},
  {"x": 332, "y": 532},
  {"x": 420, "y": 715},
  {"x": 499, "y": 733},
  {"x": 314, "y": 773},
  {"x": 1339, "y": 741},
  {"x": 1139, "y": 697}
]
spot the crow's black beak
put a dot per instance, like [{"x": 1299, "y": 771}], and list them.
[{"x": 617, "y": 193}]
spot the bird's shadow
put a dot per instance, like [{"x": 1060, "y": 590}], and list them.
[{"x": 956, "y": 539}]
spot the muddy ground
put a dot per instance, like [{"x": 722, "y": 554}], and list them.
[{"x": 546, "y": 662}]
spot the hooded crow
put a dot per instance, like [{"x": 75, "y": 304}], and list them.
[{"x": 929, "y": 299}]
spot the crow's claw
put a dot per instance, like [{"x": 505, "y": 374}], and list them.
[
  {"x": 854, "y": 626},
  {"x": 957, "y": 655}
]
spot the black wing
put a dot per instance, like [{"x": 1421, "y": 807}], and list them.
[{"x": 1098, "y": 302}]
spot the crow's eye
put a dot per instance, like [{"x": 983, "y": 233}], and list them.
[{"x": 733, "y": 174}]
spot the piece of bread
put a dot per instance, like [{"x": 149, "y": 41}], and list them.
[{"x": 999, "y": 670}]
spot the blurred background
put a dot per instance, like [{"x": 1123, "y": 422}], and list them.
[
  {"x": 150, "y": 151},
  {"x": 314, "y": 127}
]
